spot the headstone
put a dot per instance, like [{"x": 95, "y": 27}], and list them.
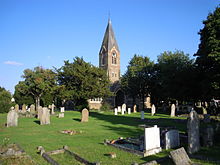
[
  {"x": 208, "y": 136},
  {"x": 129, "y": 111},
  {"x": 193, "y": 132},
  {"x": 172, "y": 139},
  {"x": 122, "y": 111},
  {"x": 45, "y": 116},
  {"x": 12, "y": 118},
  {"x": 60, "y": 115},
  {"x": 123, "y": 108},
  {"x": 173, "y": 108},
  {"x": 152, "y": 140},
  {"x": 52, "y": 109},
  {"x": 23, "y": 108},
  {"x": 62, "y": 109},
  {"x": 204, "y": 111},
  {"x": 142, "y": 115},
  {"x": 119, "y": 108},
  {"x": 153, "y": 110},
  {"x": 28, "y": 109},
  {"x": 39, "y": 112},
  {"x": 135, "y": 108},
  {"x": 116, "y": 111},
  {"x": 17, "y": 107},
  {"x": 180, "y": 157},
  {"x": 85, "y": 115},
  {"x": 32, "y": 108}
]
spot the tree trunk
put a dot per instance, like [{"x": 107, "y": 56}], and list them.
[{"x": 37, "y": 102}]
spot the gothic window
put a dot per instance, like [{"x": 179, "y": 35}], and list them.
[
  {"x": 103, "y": 59},
  {"x": 114, "y": 58}
]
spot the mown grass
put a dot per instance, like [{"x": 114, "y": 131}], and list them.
[{"x": 89, "y": 143}]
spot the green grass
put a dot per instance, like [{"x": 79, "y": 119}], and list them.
[{"x": 88, "y": 144}]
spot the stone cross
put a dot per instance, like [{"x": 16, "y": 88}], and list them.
[
  {"x": 135, "y": 108},
  {"x": 153, "y": 110},
  {"x": 17, "y": 107},
  {"x": 32, "y": 108},
  {"x": 123, "y": 108},
  {"x": 45, "y": 116},
  {"x": 173, "y": 109},
  {"x": 12, "y": 118},
  {"x": 142, "y": 115},
  {"x": 85, "y": 115},
  {"x": 193, "y": 132},
  {"x": 172, "y": 139},
  {"x": 62, "y": 109},
  {"x": 23, "y": 108},
  {"x": 180, "y": 157},
  {"x": 129, "y": 111},
  {"x": 116, "y": 111}
]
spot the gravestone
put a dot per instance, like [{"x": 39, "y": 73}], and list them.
[
  {"x": 129, "y": 111},
  {"x": 153, "y": 110},
  {"x": 173, "y": 108},
  {"x": 204, "y": 111},
  {"x": 61, "y": 115},
  {"x": 85, "y": 115},
  {"x": 152, "y": 140},
  {"x": 142, "y": 115},
  {"x": 17, "y": 107},
  {"x": 32, "y": 108},
  {"x": 39, "y": 112},
  {"x": 180, "y": 157},
  {"x": 135, "y": 108},
  {"x": 12, "y": 118},
  {"x": 172, "y": 139},
  {"x": 208, "y": 136},
  {"x": 122, "y": 111},
  {"x": 116, "y": 111},
  {"x": 119, "y": 108},
  {"x": 45, "y": 116},
  {"x": 52, "y": 109},
  {"x": 23, "y": 108},
  {"x": 193, "y": 132},
  {"x": 123, "y": 108},
  {"x": 62, "y": 109}
]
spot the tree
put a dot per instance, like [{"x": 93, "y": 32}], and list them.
[
  {"x": 37, "y": 82},
  {"x": 137, "y": 81},
  {"x": 5, "y": 100},
  {"x": 82, "y": 81},
  {"x": 208, "y": 56}
]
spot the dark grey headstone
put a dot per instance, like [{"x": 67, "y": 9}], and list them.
[{"x": 172, "y": 139}]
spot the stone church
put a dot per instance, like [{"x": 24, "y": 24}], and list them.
[{"x": 109, "y": 60}]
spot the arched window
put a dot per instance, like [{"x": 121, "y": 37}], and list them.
[
  {"x": 103, "y": 59},
  {"x": 114, "y": 58}
]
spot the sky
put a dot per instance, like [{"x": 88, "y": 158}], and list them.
[{"x": 47, "y": 32}]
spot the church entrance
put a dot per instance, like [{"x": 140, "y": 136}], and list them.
[{"x": 119, "y": 98}]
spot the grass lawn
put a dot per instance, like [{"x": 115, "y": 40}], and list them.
[{"x": 89, "y": 143}]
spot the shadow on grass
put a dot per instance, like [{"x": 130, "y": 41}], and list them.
[
  {"x": 76, "y": 119},
  {"x": 37, "y": 122}
]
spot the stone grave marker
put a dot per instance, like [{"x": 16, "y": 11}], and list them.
[
  {"x": 39, "y": 112},
  {"x": 172, "y": 139},
  {"x": 85, "y": 115},
  {"x": 61, "y": 115},
  {"x": 180, "y": 157},
  {"x": 153, "y": 110},
  {"x": 52, "y": 109},
  {"x": 45, "y": 116},
  {"x": 173, "y": 109},
  {"x": 12, "y": 118},
  {"x": 152, "y": 140},
  {"x": 17, "y": 107},
  {"x": 129, "y": 111},
  {"x": 116, "y": 111},
  {"x": 142, "y": 115},
  {"x": 23, "y": 108},
  {"x": 122, "y": 111},
  {"x": 208, "y": 136},
  {"x": 124, "y": 108},
  {"x": 32, "y": 108},
  {"x": 193, "y": 132},
  {"x": 135, "y": 108},
  {"x": 119, "y": 108},
  {"x": 62, "y": 109}
]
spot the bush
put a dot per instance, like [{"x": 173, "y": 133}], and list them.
[
  {"x": 5, "y": 100},
  {"x": 105, "y": 107}
]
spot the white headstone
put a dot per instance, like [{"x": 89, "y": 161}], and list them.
[
  {"x": 153, "y": 110},
  {"x": 119, "y": 108},
  {"x": 12, "y": 118},
  {"x": 62, "y": 109},
  {"x": 124, "y": 107},
  {"x": 142, "y": 115},
  {"x": 116, "y": 111},
  {"x": 172, "y": 139},
  {"x": 173, "y": 109},
  {"x": 60, "y": 115},
  {"x": 129, "y": 111},
  {"x": 122, "y": 112},
  {"x": 52, "y": 109}
]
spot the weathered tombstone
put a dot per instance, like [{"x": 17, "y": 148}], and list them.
[
  {"x": 39, "y": 112},
  {"x": 17, "y": 107},
  {"x": 152, "y": 140},
  {"x": 129, "y": 111},
  {"x": 12, "y": 118},
  {"x": 116, "y": 111},
  {"x": 208, "y": 136},
  {"x": 172, "y": 139},
  {"x": 193, "y": 132},
  {"x": 123, "y": 108},
  {"x": 142, "y": 115},
  {"x": 85, "y": 115},
  {"x": 119, "y": 108},
  {"x": 52, "y": 109},
  {"x": 62, "y": 109},
  {"x": 135, "y": 108},
  {"x": 32, "y": 108},
  {"x": 122, "y": 112},
  {"x": 45, "y": 116},
  {"x": 23, "y": 108},
  {"x": 180, "y": 157},
  {"x": 61, "y": 115},
  {"x": 173, "y": 108},
  {"x": 206, "y": 118},
  {"x": 153, "y": 110}
]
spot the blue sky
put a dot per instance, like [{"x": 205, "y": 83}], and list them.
[{"x": 47, "y": 32}]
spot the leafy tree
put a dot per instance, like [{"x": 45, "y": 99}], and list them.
[
  {"x": 5, "y": 100},
  {"x": 81, "y": 80},
  {"x": 37, "y": 82},
  {"x": 208, "y": 56}
]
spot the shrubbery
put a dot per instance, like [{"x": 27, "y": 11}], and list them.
[{"x": 5, "y": 100}]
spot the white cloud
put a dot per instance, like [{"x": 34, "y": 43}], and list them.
[{"x": 13, "y": 63}]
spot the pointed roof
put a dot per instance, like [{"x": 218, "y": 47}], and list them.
[{"x": 109, "y": 40}]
